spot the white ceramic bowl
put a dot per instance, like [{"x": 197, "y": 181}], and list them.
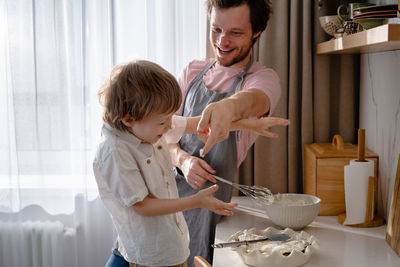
[
  {"x": 295, "y": 252},
  {"x": 294, "y": 211}
]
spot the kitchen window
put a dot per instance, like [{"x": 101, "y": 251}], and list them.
[{"x": 54, "y": 57}]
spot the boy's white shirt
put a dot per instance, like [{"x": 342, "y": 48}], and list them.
[{"x": 126, "y": 171}]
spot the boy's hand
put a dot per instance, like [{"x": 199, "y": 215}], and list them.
[
  {"x": 207, "y": 201},
  {"x": 261, "y": 126}
]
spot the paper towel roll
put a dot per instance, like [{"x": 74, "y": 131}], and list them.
[{"x": 356, "y": 177}]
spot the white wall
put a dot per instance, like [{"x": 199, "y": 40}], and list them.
[{"x": 380, "y": 116}]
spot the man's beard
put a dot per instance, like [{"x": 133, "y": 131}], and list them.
[{"x": 235, "y": 60}]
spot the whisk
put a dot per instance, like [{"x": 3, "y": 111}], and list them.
[{"x": 260, "y": 195}]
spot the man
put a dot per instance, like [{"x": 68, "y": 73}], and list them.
[{"x": 224, "y": 89}]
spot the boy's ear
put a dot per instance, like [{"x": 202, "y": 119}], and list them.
[{"x": 128, "y": 120}]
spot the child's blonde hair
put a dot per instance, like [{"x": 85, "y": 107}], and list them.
[{"x": 139, "y": 88}]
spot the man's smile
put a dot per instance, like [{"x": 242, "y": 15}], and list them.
[{"x": 224, "y": 52}]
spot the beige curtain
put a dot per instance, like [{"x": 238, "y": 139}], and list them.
[{"x": 319, "y": 94}]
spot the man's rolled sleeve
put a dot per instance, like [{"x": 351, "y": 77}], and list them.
[{"x": 177, "y": 130}]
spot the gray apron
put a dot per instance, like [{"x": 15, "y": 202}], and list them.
[{"x": 222, "y": 158}]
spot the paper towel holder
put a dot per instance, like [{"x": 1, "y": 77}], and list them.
[{"x": 371, "y": 219}]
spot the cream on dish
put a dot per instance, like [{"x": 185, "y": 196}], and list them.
[
  {"x": 291, "y": 253},
  {"x": 268, "y": 247}
]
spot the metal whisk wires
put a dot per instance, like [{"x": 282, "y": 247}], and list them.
[{"x": 260, "y": 195}]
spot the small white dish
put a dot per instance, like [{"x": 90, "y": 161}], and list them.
[{"x": 295, "y": 252}]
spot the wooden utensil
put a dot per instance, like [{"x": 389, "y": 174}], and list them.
[{"x": 393, "y": 222}]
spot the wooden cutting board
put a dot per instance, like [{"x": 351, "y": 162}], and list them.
[{"x": 393, "y": 224}]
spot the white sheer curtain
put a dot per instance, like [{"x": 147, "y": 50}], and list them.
[{"x": 54, "y": 55}]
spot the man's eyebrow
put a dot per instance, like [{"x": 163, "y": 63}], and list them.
[
  {"x": 237, "y": 29},
  {"x": 231, "y": 29}
]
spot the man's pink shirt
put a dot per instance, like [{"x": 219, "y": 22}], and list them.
[{"x": 220, "y": 79}]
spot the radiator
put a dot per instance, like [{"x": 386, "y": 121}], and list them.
[{"x": 36, "y": 244}]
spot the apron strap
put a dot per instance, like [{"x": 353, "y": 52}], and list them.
[
  {"x": 237, "y": 84},
  {"x": 202, "y": 73}
]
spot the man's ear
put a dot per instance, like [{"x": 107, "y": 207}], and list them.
[
  {"x": 128, "y": 121},
  {"x": 257, "y": 34}
]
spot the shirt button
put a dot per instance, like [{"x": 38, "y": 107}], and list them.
[
  {"x": 148, "y": 161},
  {"x": 159, "y": 147}
]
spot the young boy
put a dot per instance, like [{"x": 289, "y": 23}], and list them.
[{"x": 133, "y": 169}]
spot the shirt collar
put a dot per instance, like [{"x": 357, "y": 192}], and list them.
[{"x": 126, "y": 136}]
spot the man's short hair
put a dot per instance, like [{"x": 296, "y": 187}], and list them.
[{"x": 260, "y": 11}]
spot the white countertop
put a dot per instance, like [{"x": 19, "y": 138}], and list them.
[{"x": 339, "y": 245}]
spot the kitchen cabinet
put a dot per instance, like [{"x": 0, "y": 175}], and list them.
[
  {"x": 339, "y": 245},
  {"x": 382, "y": 38}
]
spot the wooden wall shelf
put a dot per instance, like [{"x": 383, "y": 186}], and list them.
[{"x": 382, "y": 38}]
